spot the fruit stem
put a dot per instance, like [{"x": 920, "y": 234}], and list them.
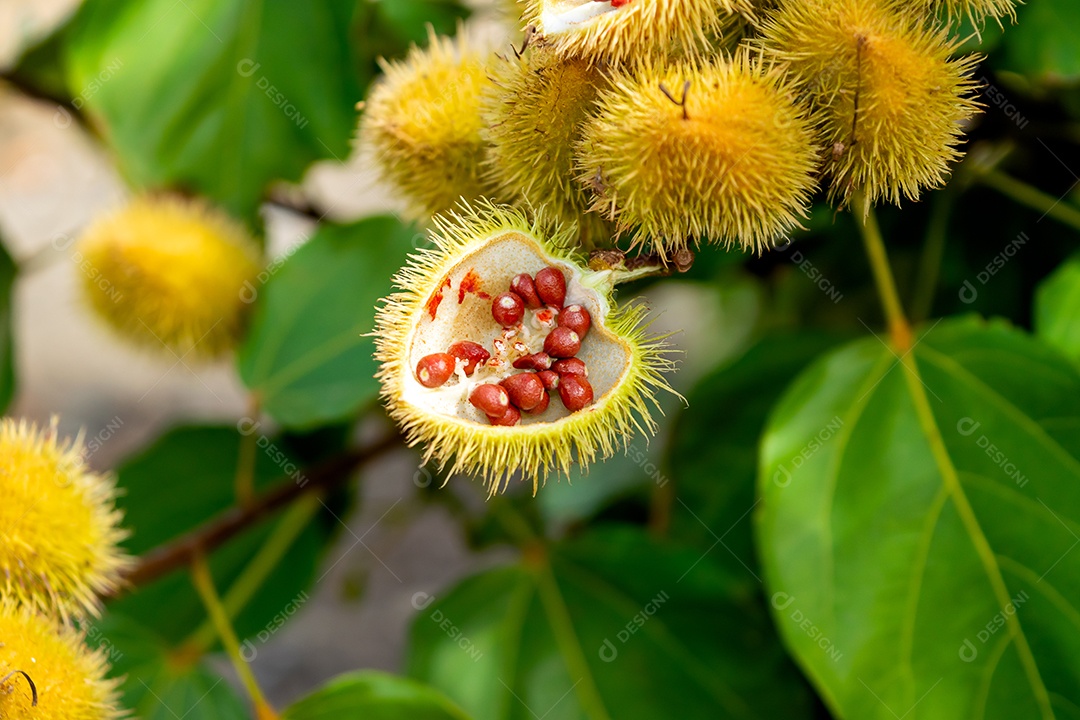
[
  {"x": 259, "y": 569},
  {"x": 204, "y": 583},
  {"x": 618, "y": 269},
  {"x": 220, "y": 529},
  {"x": 535, "y": 557},
  {"x": 899, "y": 329},
  {"x": 1032, "y": 197},
  {"x": 933, "y": 249}
]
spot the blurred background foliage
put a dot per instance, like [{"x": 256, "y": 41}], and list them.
[{"x": 235, "y": 99}]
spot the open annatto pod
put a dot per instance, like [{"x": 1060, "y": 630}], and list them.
[
  {"x": 616, "y": 31},
  {"x": 449, "y": 300}
]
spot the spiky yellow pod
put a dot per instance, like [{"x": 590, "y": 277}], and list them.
[
  {"x": 60, "y": 525},
  {"x": 446, "y": 297},
  {"x": 423, "y": 121},
  {"x": 535, "y": 114},
  {"x": 614, "y": 32},
  {"x": 68, "y": 678},
  {"x": 975, "y": 10},
  {"x": 890, "y": 99},
  {"x": 718, "y": 152},
  {"x": 166, "y": 272}
]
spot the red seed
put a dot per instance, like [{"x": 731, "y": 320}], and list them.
[
  {"x": 510, "y": 418},
  {"x": 490, "y": 399},
  {"x": 536, "y": 361},
  {"x": 562, "y": 342},
  {"x": 508, "y": 309},
  {"x": 575, "y": 392},
  {"x": 551, "y": 286},
  {"x": 577, "y": 319},
  {"x": 434, "y": 370},
  {"x": 571, "y": 366},
  {"x": 472, "y": 353},
  {"x": 550, "y": 378},
  {"x": 525, "y": 389},
  {"x": 524, "y": 286},
  {"x": 544, "y": 402}
]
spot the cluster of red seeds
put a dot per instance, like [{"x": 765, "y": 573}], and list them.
[{"x": 553, "y": 368}]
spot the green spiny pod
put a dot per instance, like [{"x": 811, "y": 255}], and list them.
[
  {"x": 890, "y": 99},
  {"x": 977, "y": 11},
  {"x": 423, "y": 121},
  {"x": 685, "y": 152},
  {"x": 617, "y": 31},
  {"x": 535, "y": 115}
]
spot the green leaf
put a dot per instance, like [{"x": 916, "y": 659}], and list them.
[
  {"x": 306, "y": 354},
  {"x": 386, "y": 29},
  {"x": 157, "y": 685},
  {"x": 713, "y": 454},
  {"x": 218, "y": 96},
  {"x": 40, "y": 68},
  {"x": 408, "y": 19},
  {"x": 183, "y": 480},
  {"x": 1043, "y": 44},
  {"x": 8, "y": 272},
  {"x": 559, "y": 634},
  {"x": 1057, "y": 309},
  {"x": 917, "y": 538},
  {"x": 374, "y": 696}
]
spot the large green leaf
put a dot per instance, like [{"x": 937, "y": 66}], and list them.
[
  {"x": 1057, "y": 309},
  {"x": 8, "y": 271},
  {"x": 183, "y": 480},
  {"x": 917, "y": 526},
  {"x": 219, "y": 96},
  {"x": 1043, "y": 44},
  {"x": 613, "y": 625},
  {"x": 374, "y": 696},
  {"x": 306, "y": 354},
  {"x": 156, "y": 684}
]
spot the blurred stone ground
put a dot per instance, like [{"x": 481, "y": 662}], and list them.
[{"x": 54, "y": 179}]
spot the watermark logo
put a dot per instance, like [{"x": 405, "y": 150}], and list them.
[
  {"x": 247, "y": 67},
  {"x": 423, "y": 600},
  {"x": 782, "y": 601},
  {"x": 248, "y": 426},
  {"x": 968, "y": 427},
  {"x": 969, "y": 293},
  {"x": 969, "y": 650},
  {"x": 249, "y": 650},
  {"x": 63, "y": 118},
  {"x": 62, "y": 242},
  {"x": 782, "y": 476},
  {"x": 643, "y": 461},
  {"x": 812, "y": 272},
  {"x": 609, "y": 651},
  {"x": 249, "y": 293},
  {"x": 95, "y": 638},
  {"x": 999, "y": 100}
]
